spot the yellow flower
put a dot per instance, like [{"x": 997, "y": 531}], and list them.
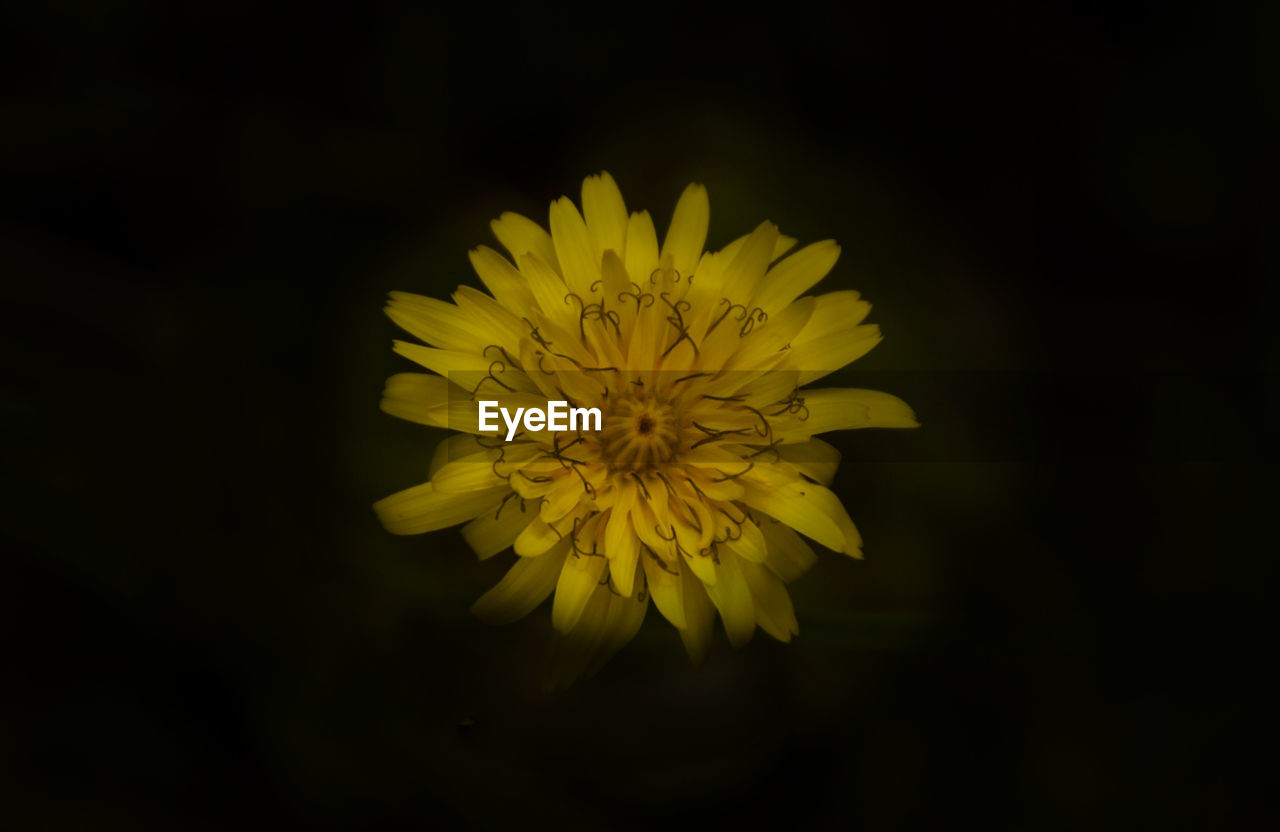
[{"x": 706, "y": 464}]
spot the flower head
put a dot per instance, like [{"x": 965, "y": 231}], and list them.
[{"x": 705, "y": 475}]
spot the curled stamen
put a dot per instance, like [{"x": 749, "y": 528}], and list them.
[
  {"x": 566, "y": 462},
  {"x": 662, "y": 564},
  {"x": 671, "y": 492},
  {"x": 683, "y": 336},
  {"x": 679, "y": 307},
  {"x": 657, "y": 529},
  {"x": 750, "y": 465},
  {"x": 701, "y": 495},
  {"x": 713, "y": 434},
  {"x": 506, "y": 500},
  {"x": 575, "y": 362},
  {"x": 749, "y": 322},
  {"x": 768, "y": 428},
  {"x": 675, "y": 276},
  {"x": 793, "y": 403},
  {"x": 729, "y": 308},
  {"x": 638, "y": 296},
  {"x": 676, "y": 319},
  {"x": 729, "y": 536},
  {"x": 573, "y": 538},
  {"x": 505, "y": 355},
  {"x": 772, "y": 446},
  {"x": 494, "y": 379},
  {"x": 688, "y": 377},
  {"x": 692, "y": 518},
  {"x": 587, "y": 487},
  {"x": 493, "y": 466},
  {"x": 593, "y": 311},
  {"x": 536, "y": 335},
  {"x": 640, "y": 482}
]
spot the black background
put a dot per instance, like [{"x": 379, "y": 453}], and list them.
[{"x": 1055, "y": 210}]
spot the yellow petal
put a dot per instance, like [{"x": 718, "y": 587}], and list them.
[
  {"x": 732, "y": 597},
  {"x": 605, "y": 212},
  {"x": 437, "y": 323},
  {"x": 699, "y": 616},
  {"x": 848, "y": 408},
  {"x": 501, "y": 278},
  {"x": 816, "y": 459},
  {"x": 792, "y": 277},
  {"x": 834, "y": 312},
  {"x": 750, "y": 544},
  {"x": 832, "y": 337},
  {"x": 491, "y": 532},
  {"x": 520, "y": 235},
  {"x": 423, "y": 509},
  {"x": 703, "y": 567},
  {"x": 473, "y": 473},
  {"x": 822, "y": 356},
  {"x": 773, "y": 609},
  {"x": 621, "y": 544},
  {"x": 789, "y": 556},
  {"x": 781, "y": 247},
  {"x": 743, "y": 274},
  {"x": 666, "y": 588},
  {"x": 565, "y": 496},
  {"x": 614, "y": 276},
  {"x": 571, "y": 652},
  {"x": 549, "y": 291},
  {"x": 457, "y": 446},
  {"x": 418, "y": 397},
  {"x": 522, "y": 589},
  {"x": 500, "y": 325},
  {"x": 467, "y": 370},
  {"x": 607, "y": 623},
  {"x": 440, "y": 361},
  {"x": 576, "y": 249},
  {"x": 811, "y": 510},
  {"x": 579, "y": 578},
  {"x": 642, "y": 248},
  {"x": 688, "y": 231},
  {"x": 621, "y": 624},
  {"x": 536, "y": 538},
  {"x": 765, "y": 341}
]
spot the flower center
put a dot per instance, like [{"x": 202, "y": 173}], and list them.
[{"x": 640, "y": 433}]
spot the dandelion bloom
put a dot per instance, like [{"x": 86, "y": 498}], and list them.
[{"x": 705, "y": 477}]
